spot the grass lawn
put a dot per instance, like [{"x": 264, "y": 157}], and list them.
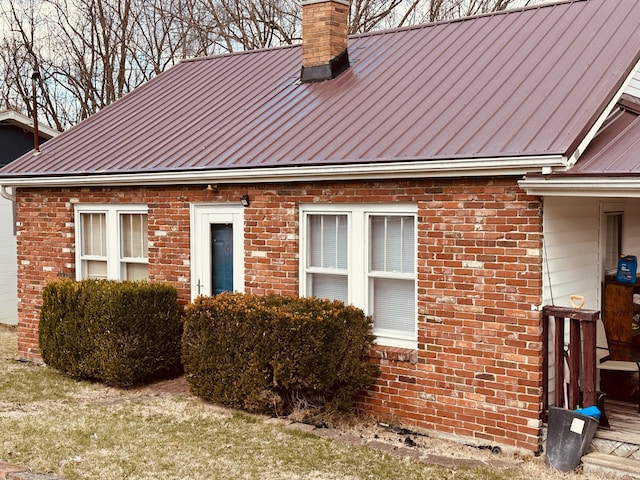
[{"x": 79, "y": 430}]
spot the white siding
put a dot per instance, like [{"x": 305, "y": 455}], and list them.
[
  {"x": 634, "y": 86},
  {"x": 571, "y": 250},
  {"x": 8, "y": 262}
]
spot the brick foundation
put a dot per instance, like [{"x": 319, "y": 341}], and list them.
[{"x": 477, "y": 371}]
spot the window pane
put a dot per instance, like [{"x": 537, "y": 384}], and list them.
[
  {"x": 392, "y": 244},
  {"x": 408, "y": 245},
  {"x": 378, "y": 237},
  {"x": 394, "y": 305},
  {"x": 95, "y": 269},
  {"x": 136, "y": 271},
  {"x": 133, "y": 228},
  {"x": 333, "y": 287},
  {"x": 327, "y": 241},
  {"x": 613, "y": 245},
  {"x": 94, "y": 234}
]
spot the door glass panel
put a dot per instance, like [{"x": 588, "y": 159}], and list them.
[{"x": 221, "y": 258}]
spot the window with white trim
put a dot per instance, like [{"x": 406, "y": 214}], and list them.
[
  {"x": 364, "y": 255},
  {"x": 112, "y": 242}
]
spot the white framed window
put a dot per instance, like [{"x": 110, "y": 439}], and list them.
[
  {"x": 112, "y": 242},
  {"x": 364, "y": 255}
]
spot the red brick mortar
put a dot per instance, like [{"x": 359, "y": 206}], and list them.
[{"x": 477, "y": 369}]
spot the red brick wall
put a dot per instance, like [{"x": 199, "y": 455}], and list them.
[{"x": 477, "y": 371}]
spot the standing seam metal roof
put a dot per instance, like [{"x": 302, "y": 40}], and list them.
[
  {"x": 614, "y": 151},
  {"x": 514, "y": 83}
]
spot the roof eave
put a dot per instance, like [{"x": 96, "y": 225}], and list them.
[
  {"x": 21, "y": 121},
  {"x": 582, "y": 186},
  {"x": 511, "y": 166}
]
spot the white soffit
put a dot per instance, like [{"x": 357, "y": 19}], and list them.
[{"x": 582, "y": 186}]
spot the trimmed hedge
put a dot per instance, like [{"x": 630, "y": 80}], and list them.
[
  {"x": 269, "y": 353},
  {"x": 120, "y": 333}
]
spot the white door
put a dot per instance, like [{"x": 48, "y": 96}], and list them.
[{"x": 217, "y": 249}]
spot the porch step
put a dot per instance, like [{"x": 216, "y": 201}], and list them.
[{"x": 615, "y": 466}]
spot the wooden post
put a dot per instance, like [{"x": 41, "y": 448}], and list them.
[
  {"x": 545, "y": 365},
  {"x": 559, "y": 361},
  {"x": 582, "y": 355},
  {"x": 589, "y": 362},
  {"x": 574, "y": 363}
]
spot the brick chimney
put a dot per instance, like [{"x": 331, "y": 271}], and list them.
[{"x": 324, "y": 39}]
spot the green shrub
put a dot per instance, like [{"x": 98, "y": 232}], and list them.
[
  {"x": 266, "y": 354},
  {"x": 121, "y": 333}
]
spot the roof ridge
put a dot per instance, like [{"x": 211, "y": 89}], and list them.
[
  {"x": 406, "y": 28},
  {"x": 465, "y": 19},
  {"x": 239, "y": 52}
]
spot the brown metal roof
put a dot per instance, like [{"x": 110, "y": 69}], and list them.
[
  {"x": 614, "y": 151},
  {"x": 519, "y": 83}
]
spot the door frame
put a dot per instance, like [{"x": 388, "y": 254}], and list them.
[{"x": 202, "y": 216}]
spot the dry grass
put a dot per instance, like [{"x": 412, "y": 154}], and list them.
[{"x": 80, "y": 430}]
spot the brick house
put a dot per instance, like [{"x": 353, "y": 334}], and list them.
[{"x": 390, "y": 171}]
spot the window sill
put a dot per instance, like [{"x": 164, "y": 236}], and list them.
[{"x": 396, "y": 354}]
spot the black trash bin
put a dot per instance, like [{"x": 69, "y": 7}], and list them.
[{"x": 568, "y": 436}]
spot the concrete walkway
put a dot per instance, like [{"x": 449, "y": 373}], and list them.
[{"x": 13, "y": 472}]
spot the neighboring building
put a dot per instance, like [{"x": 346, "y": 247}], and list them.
[
  {"x": 395, "y": 171},
  {"x": 16, "y": 139}
]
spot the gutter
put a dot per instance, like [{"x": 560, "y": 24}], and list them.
[
  {"x": 511, "y": 166},
  {"x": 625, "y": 187}
]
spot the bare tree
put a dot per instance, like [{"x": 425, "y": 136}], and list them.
[
  {"x": 232, "y": 25},
  {"x": 89, "y": 53},
  {"x": 93, "y": 38},
  {"x": 22, "y": 53}
]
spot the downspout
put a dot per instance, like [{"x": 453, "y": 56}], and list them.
[
  {"x": 12, "y": 198},
  {"x": 5, "y": 194}
]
